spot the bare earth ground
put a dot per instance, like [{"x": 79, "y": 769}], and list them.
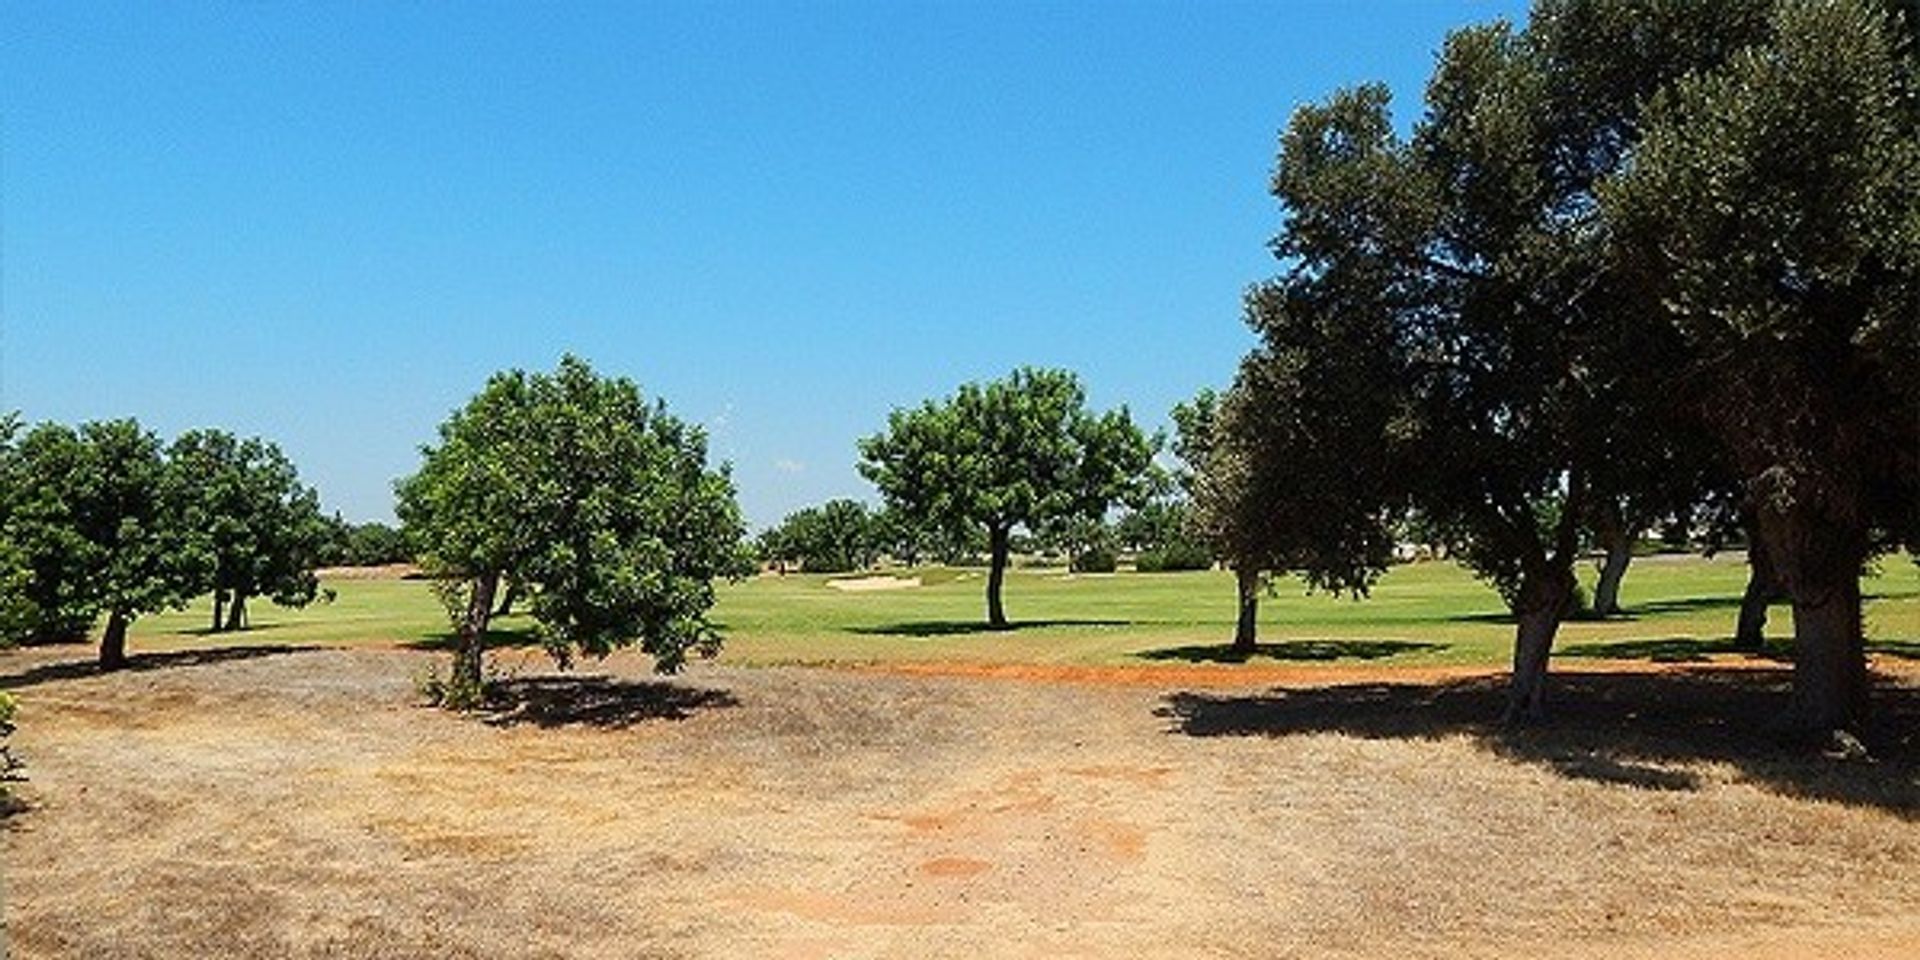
[{"x": 296, "y": 804}]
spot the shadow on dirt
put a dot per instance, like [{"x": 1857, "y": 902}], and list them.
[
  {"x": 1649, "y": 731},
  {"x": 139, "y": 662},
  {"x": 924, "y": 629},
  {"x": 1293, "y": 650},
  {"x": 596, "y": 701}
]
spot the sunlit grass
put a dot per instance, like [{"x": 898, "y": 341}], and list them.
[{"x": 1427, "y": 613}]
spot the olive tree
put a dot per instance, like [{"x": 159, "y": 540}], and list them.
[
  {"x": 1774, "y": 208},
  {"x": 1477, "y": 246},
  {"x": 1020, "y": 452},
  {"x": 603, "y": 505}
]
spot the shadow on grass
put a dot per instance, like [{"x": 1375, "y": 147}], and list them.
[
  {"x": 953, "y": 628},
  {"x": 1672, "y": 650},
  {"x": 1647, "y": 731},
  {"x": 498, "y": 638},
  {"x": 1730, "y": 603},
  {"x": 90, "y": 667},
  {"x": 595, "y": 701},
  {"x": 1696, "y": 650},
  {"x": 1293, "y": 650},
  {"x": 236, "y": 632}
]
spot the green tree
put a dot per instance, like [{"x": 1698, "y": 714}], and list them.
[
  {"x": 95, "y": 515},
  {"x": 836, "y": 536},
  {"x": 1020, "y": 452},
  {"x": 1774, "y": 211},
  {"x": 1474, "y": 252},
  {"x": 263, "y": 527},
  {"x": 602, "y": 504}
]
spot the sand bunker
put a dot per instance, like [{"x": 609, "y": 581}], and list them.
[{"x": 863, "y": 584}]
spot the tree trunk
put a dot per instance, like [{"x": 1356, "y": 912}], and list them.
[
  {"x": 1819, "y": 562},
  {"x": 1543, "y": 602},
  {"x": 1000, "y": 540},
  {"x": 1830, "y": 685},
  {"x": 1606, "y": 593},
  {"x": 1246, "y": 629},
  {"x": 113, "y": 645},
  {"x": 237, "y": 613},
  {"x": 472, "y": 647},
  {"x": 219, "y": 605},
  {"x": 1763, "y": 588},
  {"x": 507, "y": 598}
]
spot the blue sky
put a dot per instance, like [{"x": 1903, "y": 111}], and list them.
[{"x": 326, "y": 224}]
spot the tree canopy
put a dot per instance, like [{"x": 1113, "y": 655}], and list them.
[
  {"x": 1019, "y": 452},
  {"x": 601, "y": 504},
  {"x": 244, "y": 500},
  {"x": 93, "y": 523},
  {"x": 834, "y": 537},
  {"x": 1773, "y": 214}
]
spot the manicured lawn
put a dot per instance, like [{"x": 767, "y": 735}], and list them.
[{"x": 1421, "y": 614}]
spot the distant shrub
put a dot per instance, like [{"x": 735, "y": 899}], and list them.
[
  {"x": 1174, "y": 556},
  {"x": 1096, "y": 560}
]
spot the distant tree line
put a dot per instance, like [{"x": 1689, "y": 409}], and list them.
[{"x": 104, "y": 519}]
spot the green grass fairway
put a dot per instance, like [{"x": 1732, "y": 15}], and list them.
[{"x": 1678, "y": 608}]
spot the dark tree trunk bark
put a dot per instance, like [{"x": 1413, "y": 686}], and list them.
[
  {"x": 113, "y": 645},
  {"x": 467, "y": 657},
  {"x": 1830, "y": 687},
  {"x": 507, "y": 598},
  {"x": 1000, "y": 539},
  {"x": 1246, "y": 629},
  {"x": 1763, "y": 588},
  {"x": 219, "y": 606},
  {"x": 1543, "y": 602},
  {"x": 237, "y": 612},
  {"x": 1606, "y": 593},
  {"x": 1819, "y": 563}
]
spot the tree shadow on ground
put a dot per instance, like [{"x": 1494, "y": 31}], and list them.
[
  {"x": 952, "y": 628},
  {"x": 77, "y": 669},
  {"x": 1649, "y": 731},
  {"x": 498, "y": 638},
  {"x": 1730, "y": 603},
  {"x": 596, "y": 701},
  {"x": 235, "y": 632},
  {"x": 1697, "y": 650},
  {"x": 1293, "y": 650},
  {"x": 1673, "y": 650}
]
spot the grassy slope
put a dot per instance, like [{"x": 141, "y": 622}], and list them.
[{"x": 1431, "y": 613}]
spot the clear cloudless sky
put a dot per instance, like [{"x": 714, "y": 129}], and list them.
[{"x": 327, "y": 223}]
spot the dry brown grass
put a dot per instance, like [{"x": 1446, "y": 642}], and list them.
[{"x": 298, "y": 805}]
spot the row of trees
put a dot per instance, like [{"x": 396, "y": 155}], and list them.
[
  {"x": 841, "y": 535},
  {"x": 1633, "y": 259},
  {"x": 106, "y": 520}
]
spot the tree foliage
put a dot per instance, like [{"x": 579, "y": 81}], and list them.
[
  {"x": 1463, "y": 273},
  {"x": 1019, "y": 452},
  {"x": 243, "y": 500},
  {"x": 601, "y": 504},
  {"x": 1773, "y": 214},
  {"x": 93, "y": 526},
  {"x": 834, "y": 537}
]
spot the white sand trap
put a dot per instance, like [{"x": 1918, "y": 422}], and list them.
[{"x": 883, "y": 582}]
